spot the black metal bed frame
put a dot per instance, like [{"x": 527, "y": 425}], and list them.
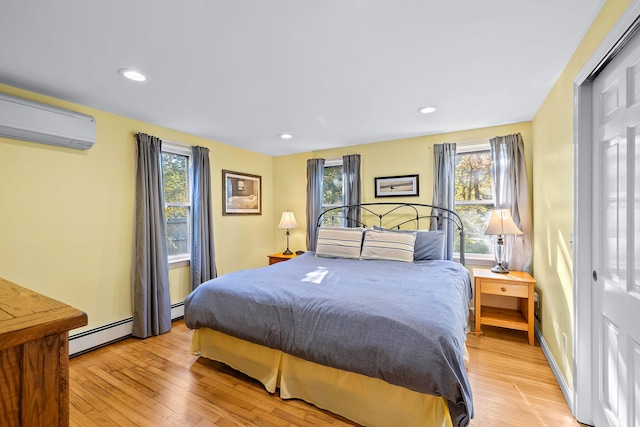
[{"x": 411, "y": 210}]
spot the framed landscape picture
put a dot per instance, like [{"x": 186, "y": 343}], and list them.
[
  {"x": 241, "y": 193},
  {"x": 397, "y": 186}
]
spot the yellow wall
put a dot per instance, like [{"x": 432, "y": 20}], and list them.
[
  {"x": 552, "y": 129},
  {"x": 67, "y": 216},
  {"x": 390, "y": 158},
  {"x": 66, "y": 220},
  {"x": 290, "y": 188}
]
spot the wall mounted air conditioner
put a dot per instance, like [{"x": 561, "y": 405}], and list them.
[{"x": 32, "y": 121}]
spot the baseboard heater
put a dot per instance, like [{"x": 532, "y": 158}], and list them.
[{"x": 92, "y": 339}]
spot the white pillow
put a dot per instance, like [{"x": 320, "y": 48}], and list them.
[
  {"x": 429, "y": 244},
  {"x": 388, "y": 246},
  {"x": 339, "y": 242}
]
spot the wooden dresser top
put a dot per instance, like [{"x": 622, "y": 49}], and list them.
[{"x": 26, "y": 315}]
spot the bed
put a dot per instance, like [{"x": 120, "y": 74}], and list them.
[
  {"x": 355, "y": 327},
  {"x": 242, "y": 202}
]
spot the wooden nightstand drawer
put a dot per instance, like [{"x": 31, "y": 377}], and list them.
[{"x": 508, "y": 289}]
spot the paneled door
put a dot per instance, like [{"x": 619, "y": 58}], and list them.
[{"x": 616, "y": 240}]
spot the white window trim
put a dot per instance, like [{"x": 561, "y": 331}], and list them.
[
  {"x": 475, "y": 202},
  {"x": 329, "y": 163},
  {"x": 472, "y": 258},
  {"x": 333, "y": 161},
  {"x": 182, "y": 260},
  {"x": 472, "y": 146},
  {"x": 479, "y": 260}
]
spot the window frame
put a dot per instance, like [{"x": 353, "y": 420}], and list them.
[
  {"x": 330, "y": 163},
  {"x": 182, "y": 259},
  {"x": 468, "y": 148}
]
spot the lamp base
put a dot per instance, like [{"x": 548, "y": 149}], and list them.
[
  {"x": 499, "y": 268},
  {"x": 287, "y": 252}
]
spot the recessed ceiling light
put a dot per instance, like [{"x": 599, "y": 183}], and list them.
[
  {"x": 426, "y": 110},
  {"x": 132, "y": 74},
  {"x": 285, "y": 136}
]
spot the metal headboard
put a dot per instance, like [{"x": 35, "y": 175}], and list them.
[{"x": 405, "y": 213}]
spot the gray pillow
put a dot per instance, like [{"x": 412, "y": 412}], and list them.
[{"x": 429, "y": 244}]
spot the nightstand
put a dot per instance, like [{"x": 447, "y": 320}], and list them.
[
  {"x": 274, "y": 258},
  {"x": 515, "y": 284}
]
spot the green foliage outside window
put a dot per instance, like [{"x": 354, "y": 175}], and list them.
[
  {"x": 474, "y": 200},
  {"x": 473, "y": 176},
  {"x": 175, "y": 176},
  {"x": 332, "y": 193},
  {"x": 332, "y": 185}
]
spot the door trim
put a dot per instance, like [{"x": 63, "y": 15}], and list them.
[{"x": 620, "y": 34}]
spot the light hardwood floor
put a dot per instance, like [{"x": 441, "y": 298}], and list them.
[{"x": 156, "y": 382}]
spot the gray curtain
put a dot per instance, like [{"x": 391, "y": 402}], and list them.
[
  {"x": 315, "y": 175},
  {"x": 444, "y": 191},
  {"x": 151, "y": 302},
  {"x": 351, "y": 183},
  {"x": 511, "y": 191},
  {"x": 203, "y": 255}
]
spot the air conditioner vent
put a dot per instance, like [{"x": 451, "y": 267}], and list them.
[{"x": 33, "y": 121}]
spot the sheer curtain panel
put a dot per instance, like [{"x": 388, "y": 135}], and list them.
[
  {"x": 151, "y": 301},
  {"x": 351, "y": 183},
  {"x": 203, "y": 255},
  {"x": 315, "y": 175},
  {"x": 512, "y": 192},
  {"x": 444, "y": 191}
]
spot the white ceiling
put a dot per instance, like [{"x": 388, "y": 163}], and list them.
[{"x": 330, "y": 72}]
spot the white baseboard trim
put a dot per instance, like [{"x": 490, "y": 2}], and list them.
[
  {"x": 564, "y": 387},
  {"x": 99, "y": 337}
]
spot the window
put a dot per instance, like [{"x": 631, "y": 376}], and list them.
[
  {"x": 474, "y": 197},
  {"x": 332, "y": 189},
  {"x": 176, "y": 165}
]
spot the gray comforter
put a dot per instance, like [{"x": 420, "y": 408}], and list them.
[{"x": 401, "y": 322}]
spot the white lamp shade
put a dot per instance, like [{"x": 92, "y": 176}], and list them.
[
  {"x": 501, "y": 223},
  {"x": 288, "y": 221}
]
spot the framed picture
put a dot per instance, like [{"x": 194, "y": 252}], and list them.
[
  {"x": 397, "y": 186},
  {"x": 241, "y": 193}
]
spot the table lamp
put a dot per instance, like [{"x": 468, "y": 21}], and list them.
[
  {"x": 288, "y": 221},
  {"x": 501, "y": 224}
]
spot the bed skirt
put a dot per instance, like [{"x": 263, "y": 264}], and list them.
[{"x": 365, "y": 400}]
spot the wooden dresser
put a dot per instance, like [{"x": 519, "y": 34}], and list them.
[{"x": 34, "y": 357}]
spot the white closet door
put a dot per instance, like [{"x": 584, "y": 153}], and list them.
[{"x": 616, "y": 240}]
